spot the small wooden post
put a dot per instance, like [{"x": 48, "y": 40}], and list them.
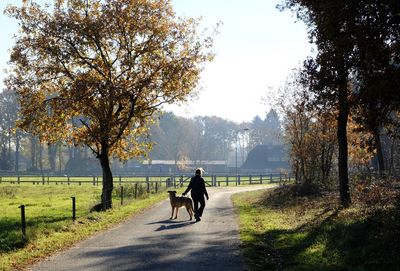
[
  {"x": 122, "y": 195},
  {"x": 73, "y": 209},
  {"x": 23, "y": 221},
  {"x": 136, "y": 188},
  {"x": 148, "y": 184}
]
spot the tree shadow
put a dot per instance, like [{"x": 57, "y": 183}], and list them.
[
  {"x": 171, "y": 251},
  {"x": 368, "y": 243},
  {"x": 11, "y": 230}
]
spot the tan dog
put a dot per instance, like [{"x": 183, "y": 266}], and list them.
[{"x": 178, "y": 202}]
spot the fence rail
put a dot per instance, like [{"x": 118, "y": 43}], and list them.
[{"x": 160, "y": 180}]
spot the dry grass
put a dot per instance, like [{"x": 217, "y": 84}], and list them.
[{"x": 283, "y": 229}]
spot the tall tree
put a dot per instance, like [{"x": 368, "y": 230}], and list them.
[
  {"x": 377, "y": 35},
  {"x": 354, "y": 41},
  {"x": 329, "y": 73},
  {"x": 109, "y": 64},
  {"x": 8, "y": 135}
]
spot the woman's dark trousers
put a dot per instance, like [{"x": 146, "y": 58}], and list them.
[{"x": 196, "y": 200}]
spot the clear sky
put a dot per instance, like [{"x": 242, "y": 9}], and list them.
[{"x": 257, "y": 47}]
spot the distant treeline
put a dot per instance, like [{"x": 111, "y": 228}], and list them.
[{"x": 174, "y": 138}]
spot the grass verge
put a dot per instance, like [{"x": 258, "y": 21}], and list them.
[
  {"x": 58, "y": 233},
  {"x": 282, "y": 231}
]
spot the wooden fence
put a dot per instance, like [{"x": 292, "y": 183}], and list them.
[{"x": 178, "y": 180}]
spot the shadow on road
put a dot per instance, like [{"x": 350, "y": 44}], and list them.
[
  {"x": 171, "y": 224},
  {"x": 179, "y": 252}
]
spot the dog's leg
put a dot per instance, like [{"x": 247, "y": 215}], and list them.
[
  {"x": 172, "y": 213},
  {"x": 176, "y": 214},
  {"x": 189, "y": 211}
]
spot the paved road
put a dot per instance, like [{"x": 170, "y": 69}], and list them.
[{"x": 150, "y": 241}]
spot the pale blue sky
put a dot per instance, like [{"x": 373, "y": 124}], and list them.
[{"x": 257, "y": 47}]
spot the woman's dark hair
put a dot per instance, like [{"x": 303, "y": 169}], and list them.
[{"x": 198, "y": 172}]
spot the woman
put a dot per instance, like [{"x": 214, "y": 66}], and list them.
[{"x": 198, "y": 187}]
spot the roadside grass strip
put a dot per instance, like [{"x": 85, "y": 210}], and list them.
[
  {"x": 282, "y": 231},
  {"x": 49, "y": 225}
]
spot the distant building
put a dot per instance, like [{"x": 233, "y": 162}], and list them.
[
  {"x": 172, "y": 166},
  {"x": 266, "y": 158}
]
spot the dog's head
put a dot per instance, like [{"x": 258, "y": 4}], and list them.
[{"x": 172, "y": 193}]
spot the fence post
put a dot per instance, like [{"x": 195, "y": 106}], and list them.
[
  {"x": 136, "y": 187},
  {"x": 1, "y": 179},
  {"x": 270, "y": 178},
  {"x": 174, "y": 181},
  {"x": 250, "y": 180},
  {"x": 156, "y": 187},
  {"x": 94, "y": 181},
  {"x": 73, "y": 209},
  {"x": 23, "y": 221},
  {"x": 120, "y": 179},
  {"x": 42, "y": 179},
  {"x": 238, "y": 179},
  {"x": 148, "y": 184},
  {"x": 122, "y": 195},
  {"x": 68, "y": 180},
  {"x": 18, "y": 179}
]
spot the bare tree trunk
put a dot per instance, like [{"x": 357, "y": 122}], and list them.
[
  {"x": 40, "y": 158},
  {"x": 391, "y": 161},
  {"x": 343, "y": 147},
  {"x": 106, "y": 196},
  {"x": 52, "y": 150},
  {"x": 33, "y": 153},
  {"x": 17, "y": 146},
  {"x": 379, "y": 151},
  {"x": 60, "y": 158}
]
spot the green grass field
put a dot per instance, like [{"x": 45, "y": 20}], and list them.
[
  {"x": 48, "y": 210},
  {"x": 49, "y": 217},
  {"x": 281, "y": 231}
]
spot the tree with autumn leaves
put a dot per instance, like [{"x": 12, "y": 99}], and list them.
[
  {"x": 356, "y": 69},
  {"x": 94, "y": 72}
]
